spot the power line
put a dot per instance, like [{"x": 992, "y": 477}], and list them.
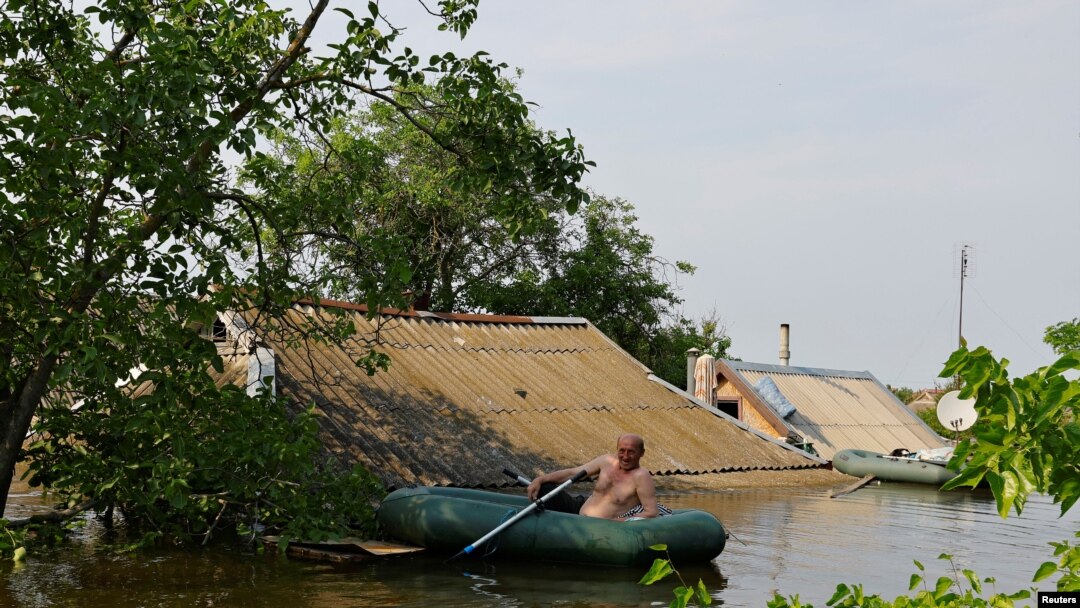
[
  {"x": 1006, "y": 323},
  {"x": 930, "y": 329}
]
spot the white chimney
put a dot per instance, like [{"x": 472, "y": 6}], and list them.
[
  {"x": 691, "y": 362},
  {"x": 785, "y": 354}
]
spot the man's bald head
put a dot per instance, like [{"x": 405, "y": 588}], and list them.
[{"x": 639, "y": 441}]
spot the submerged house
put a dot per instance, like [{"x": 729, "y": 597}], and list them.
[
  {"x": 926, "y": 399},
  {"x": 823, "y": 409},
  {"x": 468, "y": 395}
]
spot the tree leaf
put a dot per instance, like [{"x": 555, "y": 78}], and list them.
[
  {"x": 942, "y": 586},
  {"x": 1005, "y": 492},
  {"x": 1046, "y": 570},
  {"x": 1067, "y": 361},
  {"x": 973, "y": 580},
  {"x": 659, "y": 570},
  {"x": 841, "y": 592},
  {"x": 701, "y": 594},
  {"x": 683, "y": 595}
]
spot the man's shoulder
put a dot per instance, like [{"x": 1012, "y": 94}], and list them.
[{"x": 607, "y": 462}]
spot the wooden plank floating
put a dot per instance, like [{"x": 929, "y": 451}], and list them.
[
  {"x": 381, "y": 548},
  {"x": 343, "y": 549},
  {"x": 855, "y": 486}
]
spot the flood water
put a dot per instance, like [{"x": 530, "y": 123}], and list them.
[{"x": 793, "y": 541}]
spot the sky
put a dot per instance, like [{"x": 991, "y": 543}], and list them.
[{"x": 821, "y": 163}]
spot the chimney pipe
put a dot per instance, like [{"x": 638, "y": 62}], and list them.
[
  {"x": 785, "y": 354},
  {"x": 691, "y": 362}
]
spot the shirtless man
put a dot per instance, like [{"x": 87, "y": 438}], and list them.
[{"x": 622, "y": 484}]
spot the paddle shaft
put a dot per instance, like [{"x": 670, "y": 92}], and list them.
[
  {"x": 517, "y": 476},
  {"x": 522, "y": 513}
]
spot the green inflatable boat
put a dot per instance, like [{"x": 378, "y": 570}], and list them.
[
  {"x": 892, "y": 468},
  {"x": 448, "y": 519}
]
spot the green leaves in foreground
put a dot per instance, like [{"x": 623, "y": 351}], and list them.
[
  {"x": 12, "y": 542},
  {"x": 1068, "y": 565},
  {"x": 1028, "y": 439},
  {"x": 661, "y": 568},
  {"x": 183, "y": 465},
  {"x": 946, "y": 592},
  {"x": 658, "y": 572}
]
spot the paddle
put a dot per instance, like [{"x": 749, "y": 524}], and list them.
[
  {"x": 522, "y": 513},
  {"x": 517, "y": 476}
]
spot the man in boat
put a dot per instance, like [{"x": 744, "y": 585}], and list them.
[{"x": 624, "y": 491}]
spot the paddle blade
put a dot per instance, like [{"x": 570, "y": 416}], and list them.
[{"x": 465, "y": 551}]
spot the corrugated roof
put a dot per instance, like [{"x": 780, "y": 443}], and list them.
[
  {"x": 838, "y": 410},
  {"x": 466, "y": 396}
]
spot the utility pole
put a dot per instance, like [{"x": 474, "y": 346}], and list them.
[{"x": 967, "y": 269}]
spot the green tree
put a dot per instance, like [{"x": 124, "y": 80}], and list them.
[
  {"x": 1064, "y": 336},
  {"x": 123, "y": 231},
  {"x": 666, "y": 355},
  {"x": 399, "y": 185},
  {"x": 903, "y": 393},
  {"x": 1029, "y": 438}
]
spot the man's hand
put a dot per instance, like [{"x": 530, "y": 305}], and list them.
[{"x": 534, "y": 489}]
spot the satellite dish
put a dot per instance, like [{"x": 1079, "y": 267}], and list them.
[{"x": 956, "y": 413}]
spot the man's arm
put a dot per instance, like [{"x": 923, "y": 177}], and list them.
[
  {"x": 646, "y": 493},
  {"x": 591, "y": 468}
]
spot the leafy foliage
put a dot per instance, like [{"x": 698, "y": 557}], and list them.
[
  {"x": 123, "y": 232},
  {"x": 947, "y": 591},
  {"x": 1063, "y": 337},
  {"x": 903, "y": 393},
  {"x": 12, "y": 542},
  {"x": 1030, "y": 438},
  {"x": 213, "y": 461},
  {"x": 684, "y": 594},
  {"x": 395, "y": 185},
  {"x": 666, "y": 354},
  {"x": 1067, "y": 566}
]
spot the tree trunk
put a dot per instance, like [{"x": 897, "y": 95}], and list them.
[{"x": 15, "y": 419}]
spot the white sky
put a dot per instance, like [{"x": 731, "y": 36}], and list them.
[{"x": 821, "y": 161}]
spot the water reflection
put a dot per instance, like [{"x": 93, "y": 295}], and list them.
[
  {"x": 806, "y": 543},
  {"x": 795, "y": 542},
  {"x": 427, "y": 581},
  {"x": 91, "y": 576}
]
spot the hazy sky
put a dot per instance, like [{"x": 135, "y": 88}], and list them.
[{"x": 820, "y": 162}]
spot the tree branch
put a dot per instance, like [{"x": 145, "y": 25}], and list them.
[
  {"x": 93, "y": 221},
  {"x": 403, "y": 110},
  {"x": 125, "y": 40},
  {"x": 292, "y": 53},
  {"x": 53, "y": 517}
]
